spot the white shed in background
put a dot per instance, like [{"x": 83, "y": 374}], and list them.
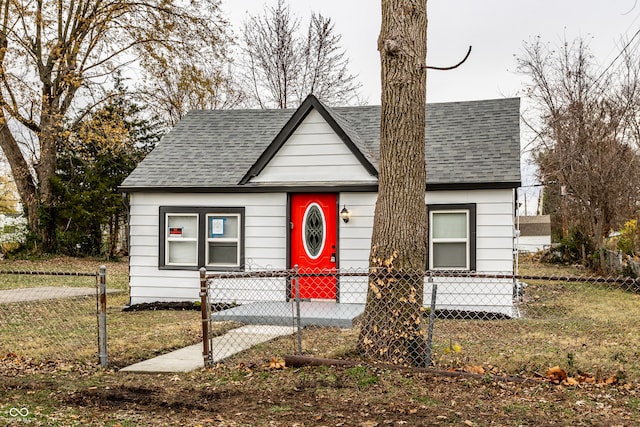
[{"x": 534, "y": 233}]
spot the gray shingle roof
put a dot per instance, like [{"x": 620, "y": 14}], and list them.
[{"x": 474, "y": 142}]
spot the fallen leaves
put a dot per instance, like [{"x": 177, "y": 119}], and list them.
[
  {"x": 558, "y": 375},
  {"x": 474, "y": 369},
  {"x": 13, "y": 364},
  {"x": 276, "y": 363}
]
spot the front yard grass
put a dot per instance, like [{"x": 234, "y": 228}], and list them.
[{"x": 583, "y": 327}]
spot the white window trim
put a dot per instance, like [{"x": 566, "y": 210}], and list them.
[
  {"x": 235, "y": 240},
  {"x": 466, "y": 240},
  {"x": 169, "y": 239}
]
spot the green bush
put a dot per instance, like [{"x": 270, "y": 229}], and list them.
[
  {"x": 575, "y": 248},
  {"x": 629, "y": 239}
]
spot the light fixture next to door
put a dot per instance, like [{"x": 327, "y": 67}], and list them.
[{"x": 345, "y": 214}]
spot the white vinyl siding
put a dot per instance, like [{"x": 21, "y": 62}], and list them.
[
  {"x": 494, "y": 254},
  {"x": 265, "y": 241},
  {"x": 266, "y": 246},
  {"x": 314, "y": 153},
  {"x": 494, "y": 250},
  {"x": 494, "y": 225},
  {"x": 355, "y": 236},
  {"x": 355, "y": 243}
]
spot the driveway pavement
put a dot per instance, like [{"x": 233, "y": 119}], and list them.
[{"x": 46, "y": 292}]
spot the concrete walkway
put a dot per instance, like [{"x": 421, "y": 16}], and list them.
[
  {"x": 190, "y": 358},
  {"x": 263, "y": 321}
]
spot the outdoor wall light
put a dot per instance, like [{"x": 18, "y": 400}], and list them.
[{"x": 345, "y": 214}]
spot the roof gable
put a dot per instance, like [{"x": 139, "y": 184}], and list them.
[
  {"x": 313, "y": 154},
  {"x": 310, "y": 104}
]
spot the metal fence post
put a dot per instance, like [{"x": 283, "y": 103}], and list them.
[
  {"x": 620, "y": 259},
  {"x": 102, "y": 317},
  {"x": 432, "y": 318},
  {"x": 296, "y": 281},
  {"x": 204, "y": 310}
]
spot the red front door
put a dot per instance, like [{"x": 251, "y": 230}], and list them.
[{"x": 313, "y": 243}]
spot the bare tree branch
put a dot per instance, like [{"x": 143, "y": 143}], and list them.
[
  {"x": 452, "y": 67},
  {"x": 282, "y": 67},
  {"x": 585, "y": 139}
]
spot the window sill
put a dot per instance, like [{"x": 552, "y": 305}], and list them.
[{"x": 196, "y": 268}]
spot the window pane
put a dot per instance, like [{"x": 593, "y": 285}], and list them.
[
  {"x": 314, "y": 231},
  {"x": 222, "y": 226},
  {"x": 223, "y": 253},
  {"x": 182, "y": 226},
  {"x": 449, "y": 255},
  {"x": 448, "y": 225},
  {"x": 182, "y": 252}
]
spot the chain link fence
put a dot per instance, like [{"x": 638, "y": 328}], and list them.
[
  {"x": 486, "y": 323},
  {"x": 54, "y": 318},
  {"x": 59, "y": 316}
]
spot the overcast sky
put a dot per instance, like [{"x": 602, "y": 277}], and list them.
[{"x": 496, "y": 29}]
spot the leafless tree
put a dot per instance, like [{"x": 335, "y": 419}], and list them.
[
  {"x": 325, "y": 71},
  {"x": 280, "y": 68},
  {"x": 173, "y": 86},
  {"x": 392, "y": 327},
  {"x": 586, "y": 141}
]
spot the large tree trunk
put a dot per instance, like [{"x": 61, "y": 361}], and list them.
[
  {"x": 392, "y": 327},
  {"x": 36, "y": 193},
  {"x": 21, "y": 174},
  {"x": 46, "y": 170}
]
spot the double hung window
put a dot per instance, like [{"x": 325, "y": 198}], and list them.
[
  {"x": 452, "y": 231},
  {"x": 223, "y": 240}
]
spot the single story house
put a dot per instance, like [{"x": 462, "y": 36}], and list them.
[{"x": 235, "y": 190}]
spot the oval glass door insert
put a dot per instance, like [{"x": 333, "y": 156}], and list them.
[{"x": 313, "y": 229}]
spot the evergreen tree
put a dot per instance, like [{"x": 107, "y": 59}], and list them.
[{"x": 93, "y": 160}]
